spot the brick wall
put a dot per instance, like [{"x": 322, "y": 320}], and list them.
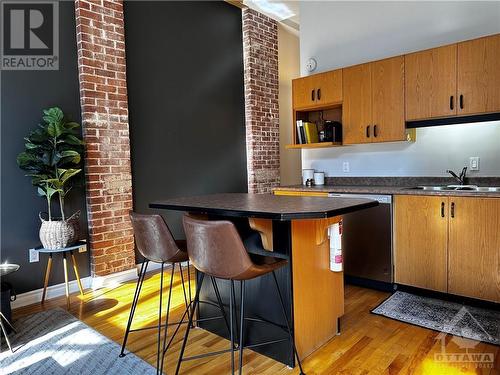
[
  {"x": 103, "y": 95},
  {"x": 260, "y": 56}
]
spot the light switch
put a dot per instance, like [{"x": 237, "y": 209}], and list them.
[
  {"x": 345, "y": 166},
  {"x": 474, "y": 163}
]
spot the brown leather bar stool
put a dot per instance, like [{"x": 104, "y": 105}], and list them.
[
  {"x": 156, "y": 244},
  {"x": 216, "y": 250}
]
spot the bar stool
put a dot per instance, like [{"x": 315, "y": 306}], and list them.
[
  {"x": 215, "y": 249},
  {"x": 156, "y": 244}
]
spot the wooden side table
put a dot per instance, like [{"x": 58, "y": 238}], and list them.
[{"x": 64, "y": 252}]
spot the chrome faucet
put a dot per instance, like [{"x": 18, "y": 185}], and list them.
[{"x": 461, "y": 178}]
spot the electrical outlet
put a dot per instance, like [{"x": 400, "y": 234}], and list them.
[
  {"x": 474, "y": 163},
  {"x": 345, "y": 166},
  {"x": 34, "y": 256},
  {"x": 82, "y": 248}
]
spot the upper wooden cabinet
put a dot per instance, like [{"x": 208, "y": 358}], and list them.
[
  {"x": 456, "y": 80},
  {"x": 474, "y": 248},
  {"x": 420, "y": 241},
  {"x": 431, "y": 83},
  {"x": 319, "y": 90},
  {"x": 479, "y": 76},
  {"x": 373, "y": 107}
]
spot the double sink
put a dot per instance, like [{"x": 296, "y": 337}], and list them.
[{"x": 458, "y": 188}]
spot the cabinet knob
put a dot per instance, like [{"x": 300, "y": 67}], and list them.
[
  {"x": 452, "y": 103},
  {"x": 368, "y": 131},
  {"x": 312, "y": 95},
  {"x": 319, "y": 94},
  {"x": 442, "y": 209},
  {"x": 461, "y": 101},
  {"x": 375, "y": 132},
  {"x": 452, "y": 209}
]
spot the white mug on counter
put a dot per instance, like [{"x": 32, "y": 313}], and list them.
[
  {"x": 307, "y": 174},
  {"x": 319, "y": 178}
]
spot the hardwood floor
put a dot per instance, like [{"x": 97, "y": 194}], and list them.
[{"x": 368, "y": 344}]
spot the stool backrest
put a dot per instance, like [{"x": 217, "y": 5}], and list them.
[
  {"x": 153, "y": 238},
  {"x": 215, "y": 247}
]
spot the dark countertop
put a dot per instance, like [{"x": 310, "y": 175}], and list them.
[
  {"x": 265, "y": 206},
  {"x": 397, "y": 185},
  {"x": 387, "y": 190}
]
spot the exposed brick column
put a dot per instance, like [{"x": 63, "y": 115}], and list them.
[
  {"x": 103, "y": 95},
  {"x": 260, "y": 58}
]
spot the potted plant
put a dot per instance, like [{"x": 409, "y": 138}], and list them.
[{"x": 52, "y": 158}]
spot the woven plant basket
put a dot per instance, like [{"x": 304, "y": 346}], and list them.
[{"x": 58, "y": 234}]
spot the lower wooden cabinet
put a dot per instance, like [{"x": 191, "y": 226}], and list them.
[
  {"x": 448, "y": 244},
  {"x": 474, "y": 248},
  {"x": 421, "y": 241}
]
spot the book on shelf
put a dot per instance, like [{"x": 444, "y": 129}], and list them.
[
  {"x": 311, "y": 132},
  {"x": 301, "y": 135}
]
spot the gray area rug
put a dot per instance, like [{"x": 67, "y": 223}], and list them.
[
  {"x": 448, "y": 317},
  {"x": 55, "y": 342}
]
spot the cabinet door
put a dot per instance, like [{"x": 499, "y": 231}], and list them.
[
  {"x": 479, "y": 75},
  {"x": 388, "y": 100},
  {"x": 474, "y": 248},
  {"x": 357, "y": 106},
  {"x": 304, "y": 91},
  {"x": 420, "y": 241},
  {"x": 431, "y": 83},
  {"x": 329, "y": 87}
]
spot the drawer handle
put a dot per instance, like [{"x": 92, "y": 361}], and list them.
[
  {"x": 453, "y": 209},
  {"x": 442, "y": 209},
  {"x": 319, "y": 94},
  {"x": 312, "y": 95},
  {"x": 461, "y": 101},
  {"x": 375, "y": 133},
  {"x": 368, "y": 131},
  {"x": 452, "y": 103}
]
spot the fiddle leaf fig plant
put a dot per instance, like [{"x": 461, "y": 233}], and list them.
[{"x": 52, "y": 156}]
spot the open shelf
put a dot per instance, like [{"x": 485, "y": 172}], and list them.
[{"x": 314, "y": 145}]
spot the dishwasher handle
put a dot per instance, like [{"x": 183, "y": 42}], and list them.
[{"x": 387, "y": 199}]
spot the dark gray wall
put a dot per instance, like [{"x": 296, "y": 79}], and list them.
[
  {"x": 186, "y": 101},
  {"x": 23, "y": 96}
]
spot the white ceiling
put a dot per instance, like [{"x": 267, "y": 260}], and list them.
[{"x": 286, "y": 12}]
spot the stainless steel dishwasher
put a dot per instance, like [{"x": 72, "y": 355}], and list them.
[{"x": 367, "y": 242}]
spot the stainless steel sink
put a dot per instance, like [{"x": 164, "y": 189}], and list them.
[{"x": 458, "y": 188}]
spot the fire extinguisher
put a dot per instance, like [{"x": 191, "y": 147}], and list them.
[{"x": 335, "y": 234}]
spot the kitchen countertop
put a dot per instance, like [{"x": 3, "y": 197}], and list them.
[
  {"x": 388, "y": 190},
  {"x": 265, "y": 206}
]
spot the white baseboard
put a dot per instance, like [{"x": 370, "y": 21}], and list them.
[{"x": 109, "y": 281}]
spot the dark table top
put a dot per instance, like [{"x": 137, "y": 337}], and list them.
[{"x": 265, "y": 206}]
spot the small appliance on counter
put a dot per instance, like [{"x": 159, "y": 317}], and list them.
[{"x": 333, "y": 131}]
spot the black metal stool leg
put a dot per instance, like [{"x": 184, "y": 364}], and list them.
[
  {"x": 235, "y": 312},
  {"x": 231, "y": 318},
  {"x": 196, "y": 300},
  {"x": 219, "y": 301},
  {"x": 287, "y": 324},
  {"x": 159, "y": 322},
  {"x": 242, "y": 320},
  {"x": 183, "y": 286},
  {"x": 166, "y": 320},
  {"x": 135, "y": 300}
]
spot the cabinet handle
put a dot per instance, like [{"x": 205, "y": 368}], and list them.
[
  {"x": 461, "y": 101},
  {"x": 375, "y": 133},
  {"x": 442, "y": 209},
  {"x": 319, "y": 94},
  {"x": 368, "y": 131},
  {"x": 452, "y": 104},
  {"x": 312, "y": 95},
  {"x": 453, "y": 209}
]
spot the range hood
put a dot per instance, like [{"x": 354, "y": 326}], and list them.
[{"x": 453, "y": 120}]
